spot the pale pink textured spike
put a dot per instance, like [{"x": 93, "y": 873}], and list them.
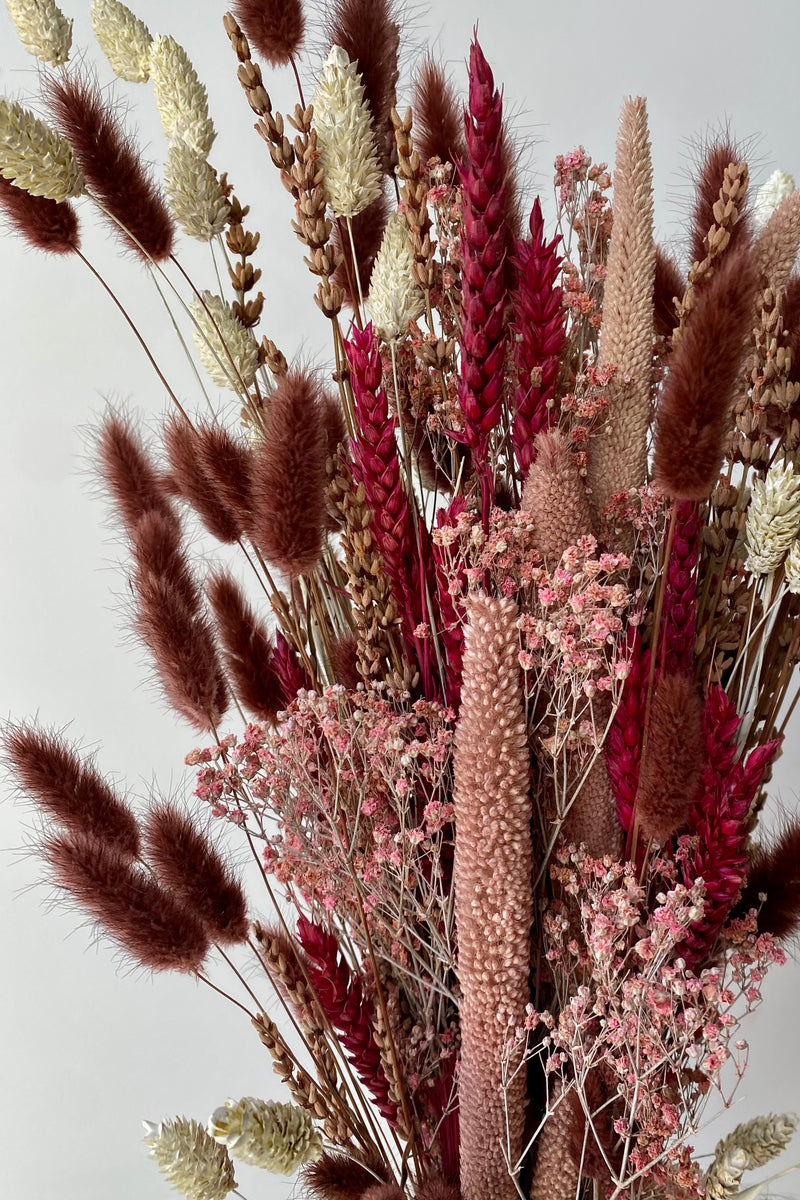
[
  {"x": 775, "y": 251},
  {"x": 493, "y": 899},
  {"x": 592, "y": 816},
  {"x": 556, "y": 1175},
  {"x": 555, "y": 497}
]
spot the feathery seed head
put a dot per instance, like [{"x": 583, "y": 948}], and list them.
[
  {"x": 194, "y": 194},
  {"x": 394, "y": 297},
  {"x": 123, "y": 38},
  {"x": 268, "y": 1134},
  {"x": 43, "y": 29},
  {"x": 227, "y": 350},
  {"x": 189, "y": 1158},
  {"x": 352, "y": 173},
  {"x": 769, "y": 196},
  {"x": 181, "y": 99},
  {"x": 275, "y": 27},
  {"x": 34, "y": 157},
  {"x": 48, "y": 225},
  {"x": 773, "y": 518}
]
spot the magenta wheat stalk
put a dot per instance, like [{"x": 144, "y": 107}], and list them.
[
  {"x": 483, "y": 277},
  {"x": 539, "y": 322},
  {"x": 623, "y": 747},
  {"x": 292, "y": 675},
  {"x": 679, "y": 620},
  {"x": 341, "y": 994}
]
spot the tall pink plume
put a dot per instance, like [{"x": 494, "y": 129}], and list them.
[
  {"x": 49, "y": 225},
  {"x": 115, "y": 173},
  {"x": 247, "y": 649},
  {"x": 538, "y": 323}
]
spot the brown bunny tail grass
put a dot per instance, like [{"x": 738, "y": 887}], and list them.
[
  {"x": 668, "y": 286},
  {"x": 195, "y": 484},
  {"x": 772, "y": 886},
  {"x": 438, "y": 123},
  {"x": 274, "y": 27},
  {"x": 671, "y": 771},
  {"x": 136, "y": 486},
  {"x": 247, "y": 649},
  {"x": 368, "y": 228},
  {"x": 49, "y": 225},
  {"x": 709, "y": 177}
]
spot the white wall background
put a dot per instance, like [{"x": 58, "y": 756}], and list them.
[{"x": 87, "y": 1049}]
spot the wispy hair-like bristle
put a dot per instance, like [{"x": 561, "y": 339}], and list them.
[
  {"x": 673, "y": 763},
  {"x": 368, "y": 226},
  {"x": 50, "y": 225},
  {"x": 136, "y": 486},
  {"x": 336, "y": 1176},
  {"x": 194, "y": 483},
  {"x": 157, "y": 549},
  {"x": 438, "y": 122},
  {"x": 774, "y": 872},
  {"x": 188, "y": 865},
  {"x": 247, "y": 649},
  {"x": 712, "y": 160},
  {"x": 369, "y": 33},
  {"x": 113, "y": 167},
  {"x": 274, "y": 27}
]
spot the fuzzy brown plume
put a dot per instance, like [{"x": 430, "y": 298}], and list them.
[
  {"x": 180, "y": 640},
  {"x": 68, "y": 788},
  {"x": 289, "y": 477},
  {"x": 710, "y": 172},
  {"x": 555, "y": 497},
  {"x": 438, "y": 122},
  {"x": 157, "y": 551},
  {"x": 247, "y": 648},
  {"x": 274, "y": 27},
  {"x": 696, "y": 400},
  {"x": 188, "y": 865},
  {"x": 671, "y": 770},
  {"x": 383, "y": 1191},
  {"x": 369, "y": 33},
  {"x": 669, "y": 285},
  {"x": 368, "y": 229},
  {"x": 45, "y": 224},
  {"x": 115, "y": 173},
  {"x": 136, "y": 486},
  {"x": 148, "y": 923},
  {"x": 592, "y": 815},
  {"x": 339, "y": 1177},
  {"x": 774, "y": 872},
  {"x": 436, "y": 1188},
  {"x": 344, "y": 661},
  {"x": 226, "y": 461},
  {"x": 194, "y": 483}
]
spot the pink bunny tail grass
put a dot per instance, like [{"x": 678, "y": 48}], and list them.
[
  {"x": 135, "y": 484},
  {"x": 188, "y": 865},
  {"x": 773, "y": 885},
  {"x": 710, "y": 173},
  {"x": 672, "y": 770},
  {"x": 483, "y": 276},
  {"x": 274, "y": 27},
  {"x": 555, "y": 496},
  {"x": 368, "y": 227},
  {"x": 679, "y": 622},
  {"x": 68, "y": 788},
  {"x": 538, "y": 323},
  {"x": 383, "y": 1191},
  {"x": 699, "y": 391},
  {"x": 369, "y": 33},
  {"x": 623, "y": 746},
  {"x": 719, "y": 821},
  {"x": 288, "y": 478},
  {"x": 149, "y": 923},
  {"x": 157, "y": 550},
  {"x": 290, "y": 671},
  {"x": 435, "y": 1187},
  {"x": 342, "y": 996},
  {"x": 247, "y": 649},
  {"x": 338, "y": 1176},
  {"x": 668, "y": 286},
  {"x": 494, "y": 908},
  {"x": 192, "y": 455},
  {"x": 556, "y": 1175},
  {"x": 49, "y": 225},
  {"x": 113, "y": 167},
  {"x": 438, "y": 119}
]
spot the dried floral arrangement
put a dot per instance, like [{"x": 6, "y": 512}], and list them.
[{"x": 495, "y": 700}]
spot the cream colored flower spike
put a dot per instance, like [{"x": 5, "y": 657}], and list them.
[
  {"x": 394, "y": 297},
  {"x": 352, "y": 173},
  {"x": 43, "y": 29},
  {"x": 189, "y": 1158},
  {"x": 194, "y": 194},
  {"x": 274, "y": 1136},
  {"x": 773, "y": 518},
  {"x": 769, "y": 196},
  {"x": 226, "y": 349},
  {"x": 181, "y": 99},
  {"x": 123, "y": 38},
  {"x": 36, "y": 158}
]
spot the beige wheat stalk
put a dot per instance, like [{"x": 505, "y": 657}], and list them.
[
  {"x": 618, "y": 455},
  {"x": 775, "y": 251},
  {"x": 494, "y": 909}
]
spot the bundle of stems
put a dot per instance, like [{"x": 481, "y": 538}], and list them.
[{"x": 494, "y": 699}]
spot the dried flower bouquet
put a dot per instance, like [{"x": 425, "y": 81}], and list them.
[{"x": 495, "y": 701}]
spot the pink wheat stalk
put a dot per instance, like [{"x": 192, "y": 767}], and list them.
[
  {"x": 494, "y": 907},
  {"x": 539, "y": 324},
  {"x": 341, "y": 994},
  {"x": 679, "y": 621},
  {"x": 483, "y": 276}
]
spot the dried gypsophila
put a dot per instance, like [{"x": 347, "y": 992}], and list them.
[
  {"x": 43, "y": 29},
  {"x": 351, "y": 170},
  {"x": 192, "y": 1162},
  {"x": 773, "y": 518},
  {"x": 123, "y": 38},
  {"x": 394, "y": 296},
  {"x": 269, "y": 1134},
  {"x": 36, "y": 158},
  {"x": 181, "y": 99},
  {"x": 226, "y": 349},
  {"x": 195, "y": 195}
]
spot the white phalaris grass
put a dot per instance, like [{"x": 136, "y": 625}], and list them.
[
  {"x": 394, "y": 297},
  {"x": 43, "y": 29},
  {"x": 351, "y": 171},
  {"x": 791, "y": 568},
  {"x": 36, "y": 158},
  {"x": 194, "y": 193},
  {"x": 221, "y": 337},
  {"x": 773, "y": 518},
  {"x": 751, "y": 1144},
  {"x": 181, "y": 99},
  {"x": 185, "y": 1153},
  {"x": 123, "y": 38},
  {"x": 770, "y": 195},
  {"x": 268, "y": 1134}
]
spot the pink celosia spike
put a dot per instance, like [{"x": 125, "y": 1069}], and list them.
[{"x": 290, "y": 671}]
